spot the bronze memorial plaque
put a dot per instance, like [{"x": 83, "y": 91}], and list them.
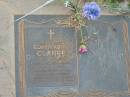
[
  {"x": 47, "y": 54},
  {"x": 48, "y": 62}
]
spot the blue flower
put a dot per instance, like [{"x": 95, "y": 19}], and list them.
[{"x": 91, "y": 11}]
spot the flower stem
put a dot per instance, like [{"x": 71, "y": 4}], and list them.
[{"x": 81, "y": 33}]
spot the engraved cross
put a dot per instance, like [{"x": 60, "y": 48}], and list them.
[{"x": 51, "y": 33}]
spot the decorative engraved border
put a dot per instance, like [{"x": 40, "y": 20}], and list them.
[
  {"x": 94, "y": 93},
  {"x": 126, "y": 45},
  {"x": 22, "y": 58}
]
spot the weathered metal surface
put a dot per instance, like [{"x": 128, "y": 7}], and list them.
[
  {"x": 104, "y": 69},
  {"x": 46, "y": 55}
]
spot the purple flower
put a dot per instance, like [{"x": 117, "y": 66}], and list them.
[
  {"x": 91, "y": 11},
  {"x": 83, "y": 49}
]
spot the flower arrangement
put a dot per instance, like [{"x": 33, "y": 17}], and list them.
[{"x": 81, "y": 13}]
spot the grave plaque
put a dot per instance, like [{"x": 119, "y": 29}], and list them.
[
  {"x": 47, "y": 59},
  {"x": 47, "y": 54}
]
